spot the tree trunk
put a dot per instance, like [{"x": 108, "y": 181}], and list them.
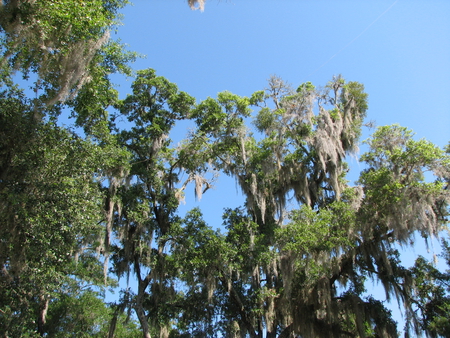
[
  {"x": 138, "y": 307},
  {"x": 42, "y": 316},
  {"x": 287, "y": 332},
  {"x": 112, "y": 326},
  {"x": 142, "y": 319}
]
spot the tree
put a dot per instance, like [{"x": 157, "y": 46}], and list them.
[
  {"x": 276, "y": 271},
  {"x": 302, "y": 271},
  {"x": 293, "y": 260},
  {"x": 84, "y": 314},
  {"x": 50, "y": 220},
  {"x": 57, "y": 41},
  {"x": 432, "y": 297},
  {"x": 52, "y": 212},
  {"x": 146, "y": 205}
]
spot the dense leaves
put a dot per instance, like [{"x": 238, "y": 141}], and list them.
[
  {"x": 432, "y": 295},
  {"x": 50, "y": 207},
  {"x": 56, "y": 40}
]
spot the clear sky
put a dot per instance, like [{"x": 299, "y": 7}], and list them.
[
  {"x": 400, "y": 51},
  {"x": 402, "y": 57}
]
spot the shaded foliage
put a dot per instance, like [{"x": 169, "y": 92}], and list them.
[{"x": 432, "y": 297}]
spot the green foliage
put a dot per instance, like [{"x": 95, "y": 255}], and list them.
[
  {"x": 310, "y": 232},
  {"x": 306, "y": 87},
  {"x": 57, "y": 41},
  {"x": 396, "y": 176},
  {"x": 76, "y": 210},
  {"x": 84, "y": 315},
  {"x": 51, "y": 209},
  {"x": 433, "y": 295}
]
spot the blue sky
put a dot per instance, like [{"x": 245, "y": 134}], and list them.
[
  {"x": 403, "y": 58},
  {"x": 400, "y": 51}
]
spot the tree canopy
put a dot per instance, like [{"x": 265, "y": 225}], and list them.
[{"x": 87, "y": 205}]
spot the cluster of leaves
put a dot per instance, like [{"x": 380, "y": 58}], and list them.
[
  {"x": 432, "y": 297},
  {"x": 51, "y": 199},
  {"x": 60, "y": 44}
]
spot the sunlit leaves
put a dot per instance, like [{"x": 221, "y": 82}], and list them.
[
  {"x": 57, "y": 41},
  {"x": 397, "y": 183},
  {"x": 309, "y": 231}
]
